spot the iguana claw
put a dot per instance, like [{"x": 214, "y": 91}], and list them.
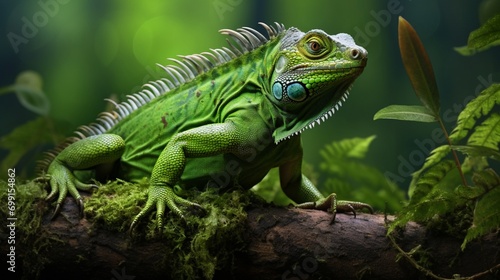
[
  {"x": 62, "y": 180},
  {"x": 161, "y": 196}
]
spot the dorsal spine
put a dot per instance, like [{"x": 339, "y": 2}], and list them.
[{"x": 187, "y": 68}]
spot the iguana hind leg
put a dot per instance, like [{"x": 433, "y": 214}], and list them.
[
  {"x": 301, "y": 190},
  {"x": 81, "y": 155}
]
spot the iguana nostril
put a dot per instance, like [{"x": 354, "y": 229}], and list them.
[{"x": 356, "y": 54}]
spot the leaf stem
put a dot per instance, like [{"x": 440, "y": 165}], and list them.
[
  {"x": 454, "y": 153},
  {"x": 429, "y": 273}
]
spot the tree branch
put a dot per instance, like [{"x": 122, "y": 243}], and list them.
[{"x": 282, "y": 243}]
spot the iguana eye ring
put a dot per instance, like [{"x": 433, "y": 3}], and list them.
[{"x": 315, "y": 46}]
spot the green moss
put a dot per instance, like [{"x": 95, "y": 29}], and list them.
[
  {"x": 209, "y": 243},
  {"x": 114, "y": 205},
  {"x": 29, "y": 210},
  {"x": 200, "y": 245}
]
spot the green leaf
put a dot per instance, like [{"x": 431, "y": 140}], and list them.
[
  {"x": 24, "y": 138},
  {"x": 486, "y": 179},
  {"x": 434, "y": 195},
  {"x": 487, "y": 212},
  {"x": 348, "y": 148},
  {"x": 405, "y": 113},
  {"x": 478, "y": 151},
  {"x": 430, "y": 179},
  {"x": 486, "y": 36},
  {"x": 486, "y": 216},
  {"x": 352, "y": 179},
  {"x": 32, "y": 99},
  {"x": 418, "y": 66},
  {"x": 479, "y": 106},
  {"x": 435, "y": 157},
  {"x": 487, "y": 134},
  {"x": 464, "y": 50},
  {"x": 29, "y": 92}
]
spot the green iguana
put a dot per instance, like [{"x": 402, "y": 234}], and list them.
[{"x": 222, "y": 117}]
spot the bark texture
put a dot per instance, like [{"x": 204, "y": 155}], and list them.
[{"x": 283, "y": 243}]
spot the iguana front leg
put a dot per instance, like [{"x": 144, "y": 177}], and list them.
[
  {"x": 203, "y": 141},
  {"x": 81, "y": 155},
  {"x": 301, "y": 190}
]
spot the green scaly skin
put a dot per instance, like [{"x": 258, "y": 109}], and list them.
[{"x": 223, "y": 124}]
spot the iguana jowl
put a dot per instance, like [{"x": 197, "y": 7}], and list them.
[{"x": 236, "y": 111}]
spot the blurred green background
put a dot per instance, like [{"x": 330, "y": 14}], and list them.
[{"x": 86, "y": 51}]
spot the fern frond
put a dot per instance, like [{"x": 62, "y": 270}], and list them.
[
  {"x": 347, "y": 148},
  {"x": 486, "y": 216},
  {"x": 435, "y": 157},
  {"x": 479, "y": 106},
  {"x": 487, "y": 212},
  {"x": 478, "y": 151},
  {"x": 487, "y": 134},
  {"x": 351, "y": 179},
  {"x": 429, "y": 180},
  {"x": 434, "y": 195},
  {"x": 436, "y": 203}
]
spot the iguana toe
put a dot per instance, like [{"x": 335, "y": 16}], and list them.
[
  {"x": 56, "y": 211},
  {"x": 344, "y": 206},
  {"x": 162, "y": 197},
  {"x": 334, "y": 206},
  {"x": 63, "y": 181}
]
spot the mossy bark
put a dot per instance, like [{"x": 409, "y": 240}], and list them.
[{"x": 253, "y": 240}]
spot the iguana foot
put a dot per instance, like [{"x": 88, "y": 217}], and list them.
[
  {"x": 62, "y": 180},
  {"x": 334, "y": 206},
  {"x": 160, "y": 196}
]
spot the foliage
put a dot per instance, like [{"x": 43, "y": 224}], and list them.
[
  {"x": 348, "y": 177},
  {"x": 352, "y": 179},
  {"x": 405, "y": 113},
  {"x": 29, "y": 92},
  {"x": 447, "y": 188},
  {"x": 20, "y": 141},
  {"x": 486, "y": 36},
  {"x": 270, "y": 189}
]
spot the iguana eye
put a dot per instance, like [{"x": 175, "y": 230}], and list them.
[{"x": 315, "y": 46}]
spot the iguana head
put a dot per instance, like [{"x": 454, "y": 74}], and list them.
[{"x": 312, "y": 75}]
